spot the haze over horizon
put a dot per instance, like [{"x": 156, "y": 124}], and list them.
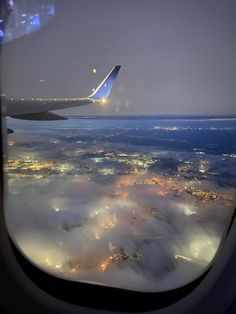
[{"x": 177, "y": 57}]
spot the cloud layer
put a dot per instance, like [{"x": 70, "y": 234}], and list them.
[{"x": 124, "y": 215}]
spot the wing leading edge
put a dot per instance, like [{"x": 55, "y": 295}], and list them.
[{"x": 39, "y": 109}]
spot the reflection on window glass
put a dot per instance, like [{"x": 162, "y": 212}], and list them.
[
  {"x": 134, "y": 190},
  {"x": 21, "y": 17}
]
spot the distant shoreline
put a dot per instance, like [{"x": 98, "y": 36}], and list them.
[{"x": 158, "y": 117}]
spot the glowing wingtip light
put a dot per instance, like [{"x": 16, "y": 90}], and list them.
[
  {"x": 104, "y": 100},
  {"x": 94, "y": 71}
]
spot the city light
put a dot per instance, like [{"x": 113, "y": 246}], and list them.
[{"x": 98, "y": 211}]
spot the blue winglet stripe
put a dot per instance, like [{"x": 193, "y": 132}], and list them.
[{"x": 103, "y": 90}]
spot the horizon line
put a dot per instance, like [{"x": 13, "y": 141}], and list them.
[{"x": 163, "y": 116}]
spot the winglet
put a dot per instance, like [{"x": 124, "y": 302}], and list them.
[{"x": 104, "y": 88}]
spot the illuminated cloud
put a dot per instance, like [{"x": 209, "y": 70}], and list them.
[{"x": 101, "y": 221}]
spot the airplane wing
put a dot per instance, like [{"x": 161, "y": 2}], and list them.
[{"x": 39, "y": 108}]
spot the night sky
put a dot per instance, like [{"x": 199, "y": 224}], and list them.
[{"x": 177, "y": 56}]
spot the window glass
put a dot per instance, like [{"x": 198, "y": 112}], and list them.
[{"x": 135, "y": 190}]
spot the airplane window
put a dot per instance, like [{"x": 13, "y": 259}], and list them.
[{"x": 121, "y": 146}]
